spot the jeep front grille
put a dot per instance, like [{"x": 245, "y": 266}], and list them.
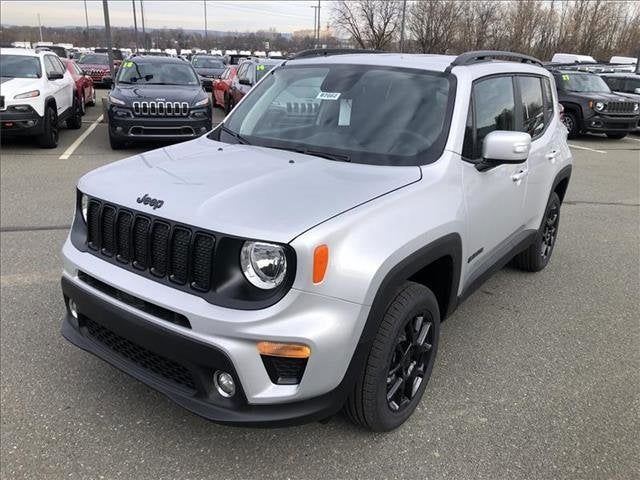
[
  {"x": 161, "y": 109},
  {"x": 619, "y": 107},
  {"x": 176, "y": 253}
]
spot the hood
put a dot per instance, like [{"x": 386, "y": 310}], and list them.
[
  {"x": 607, "y": 97},
  {"x": 247, "y": 191},
  {"x": 173, "y": 93},
  {"x": 205, "y": 72},
  {"x": 10, "y": 87}
]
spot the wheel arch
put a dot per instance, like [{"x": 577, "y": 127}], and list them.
[
  {"x": 561, "y": 182},
  {"x": 437, "y": 266}
]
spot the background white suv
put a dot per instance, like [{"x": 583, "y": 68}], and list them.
[{"x": 37, "y": 95}]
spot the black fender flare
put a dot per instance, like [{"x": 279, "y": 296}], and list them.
[
  {"x": 563, "y": 174},
  {"x": 449, "y": 245}
]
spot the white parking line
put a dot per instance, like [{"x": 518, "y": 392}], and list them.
[
  {"x": 634, "y": 139},
  {"x": 587, "y": 148},
  {"x": 72, "y": 148}
]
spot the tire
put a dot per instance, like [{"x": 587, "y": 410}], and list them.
[
  {"x": 570, "y": 120},
  {"x": 537, "y": 256},
  {"x": 49, "y": 136},
  {"x": 92, "y": 100},
  {"x": 116, "y": 143},
  {"x": 389, "y": 389},
  {"x": 74, "y": 122},
  {"x": 616, "y": 135},
  {"x": 83, "y": 105}
]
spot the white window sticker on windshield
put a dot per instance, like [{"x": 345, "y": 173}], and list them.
[
  {"x": 328, "y": 96},
  {"x": 344, "y": 117}
]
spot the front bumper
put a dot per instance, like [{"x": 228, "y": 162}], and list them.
[
  {"x": 15, "y": 123},
  {"x": 602, "y": 123},
  {"x": 161, "y": 128},
  {"x": 221, "y": 339}
]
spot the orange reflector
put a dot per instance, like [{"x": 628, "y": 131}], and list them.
[
  {"x": 320, "y": 263},
  {"x": 290, "y": 350}
]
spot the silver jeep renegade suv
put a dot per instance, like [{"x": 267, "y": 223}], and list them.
[{"x": 300, "y": 258}]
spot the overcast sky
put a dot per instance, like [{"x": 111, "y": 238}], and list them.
[{"x": 284, "y": 16}]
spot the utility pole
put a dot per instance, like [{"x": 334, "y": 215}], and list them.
[
  {"x": 86, "y": 15},
  {"x": 144, "y": 32},
  {"x": 135, "y": 24},
  {"x": 315, "y": 25},
  {"x": 40, "y": 27},
  {"x": 107, "y": 29},
  {"x": 404, "y": 11},
  {"x": 319, "y": 25},
  {"x": 205, "y": 20}
]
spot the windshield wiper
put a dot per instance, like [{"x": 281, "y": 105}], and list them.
[
  {"x": 235, "y": 135},
  {"x": 339, "y": 157}
]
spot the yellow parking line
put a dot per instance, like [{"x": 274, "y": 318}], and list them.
[{"x": 72, "y": 148}]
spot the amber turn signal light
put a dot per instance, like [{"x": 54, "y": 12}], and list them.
[
  {"x": 289, "y": 350},
  {"x": 320, "y": 263}
]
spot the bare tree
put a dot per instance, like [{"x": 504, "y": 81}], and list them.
[
  {"x": 433, "y": 24},
  {"x": 370, "y": 23}
]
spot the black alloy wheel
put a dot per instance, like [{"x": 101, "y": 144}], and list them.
[{"x": 411, "y": 358}]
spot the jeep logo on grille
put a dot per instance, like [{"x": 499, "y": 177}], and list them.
[{"x": 152, "y": 202}]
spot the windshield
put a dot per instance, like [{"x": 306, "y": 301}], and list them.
[
  {"x": 20, "y": 66},
  {"x": 207, "y": 62},
  {"x": 263, "y": 68},
  {"x": 94, "y": 59},
  {"x": 359, "y": 113},
  {"x": 583, "y": 82},
  {"x": 157, "y": 73}
]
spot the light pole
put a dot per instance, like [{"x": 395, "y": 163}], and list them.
[
  {"x": 144, "y": 32},
  {"x": 315, "y": 24},
  {"x": 40, "y": 27},
  {"x": 86, "y": 15},
  {"x": 205, "y": 19},
  {"x": 318, "y": 36},
  {"x": 135, "y": 24},
  {"x": 404, "y": 11},
  {"x": 107, "y": 29}
]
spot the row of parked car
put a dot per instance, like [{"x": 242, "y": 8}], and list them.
[{"x": 165, "y": 98}]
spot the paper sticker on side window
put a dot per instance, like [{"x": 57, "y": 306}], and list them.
[{"x": 328, "y": 96}]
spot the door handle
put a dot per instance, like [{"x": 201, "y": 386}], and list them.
[
  {"x": 517, "y": 177},
  {"x": 552, "y": 155}
]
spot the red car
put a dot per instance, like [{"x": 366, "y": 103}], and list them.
[
  {"x": 84, "y": 84},
  {"x": 221, "y": 87},
  {"x": 96, "y": 65}
]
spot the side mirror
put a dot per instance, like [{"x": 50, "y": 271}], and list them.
[
  {"x": 504, "y": 147},
  {"x": 108, "y": 81},
  {"x": 245, "y": 81},
  {"x": 55, "y": 76}
]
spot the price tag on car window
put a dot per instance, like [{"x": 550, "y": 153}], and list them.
[
  {"x": 565, "y": 77},
  {"x": 260, "y": 67},
  {"x": 127, "y": 64},
  {"x": 328, "y": 96}
]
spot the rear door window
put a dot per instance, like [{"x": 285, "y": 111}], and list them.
[{"x": 533, "y": 118}]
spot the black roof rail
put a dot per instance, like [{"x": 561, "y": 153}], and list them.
[
  {"x": 325, "y": 52},
  {"x": 470, "y": 58}
]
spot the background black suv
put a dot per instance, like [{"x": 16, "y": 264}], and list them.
[
  {"x": 591, "y": 106},
  {"x": 157, "y": 98}
]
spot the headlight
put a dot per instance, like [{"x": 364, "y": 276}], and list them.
[
  {"x": 31, "y": 94},
  {"x": 84, "y": 207},
  {"x": 202, "y": 102},
  {"x": 599, "y": 106},
  {"x": 263, "y": 264},
  {"x": 117, "y": 101}
]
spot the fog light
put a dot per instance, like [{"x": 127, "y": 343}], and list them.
[
  {"x": 224, "y": 384},
  {"x": 73, "y": 309}
]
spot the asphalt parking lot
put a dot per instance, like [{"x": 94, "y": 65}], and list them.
[{"x": 537, "y": 376}]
